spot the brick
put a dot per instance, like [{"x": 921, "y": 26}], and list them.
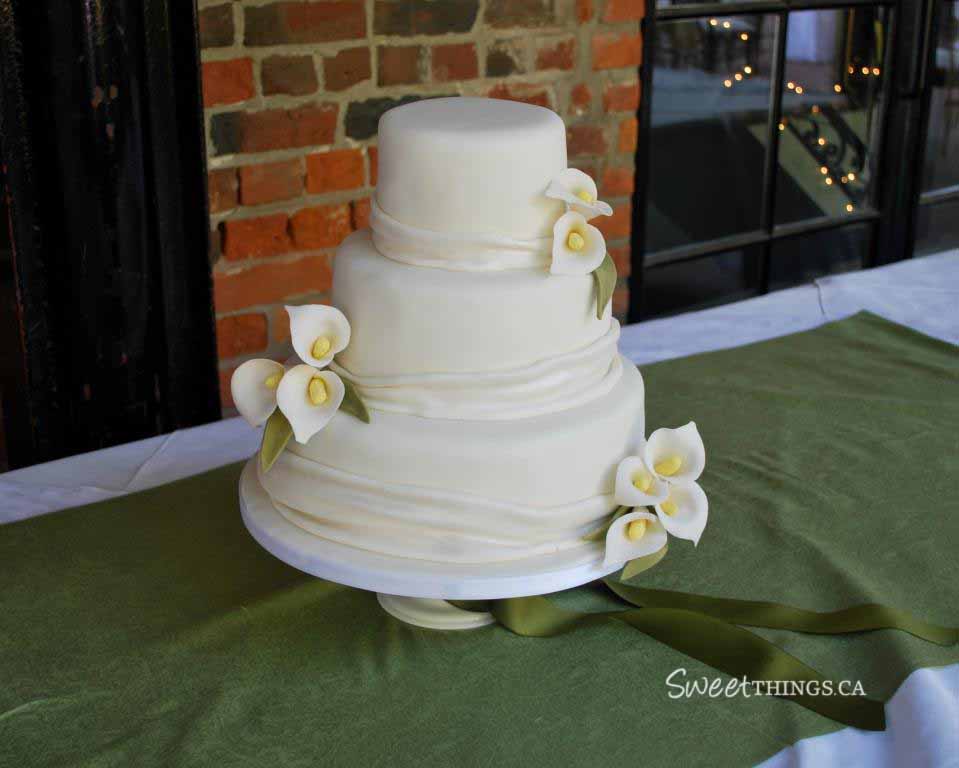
[
  {"x": 362, "y": 117},
  {"x": 505, "y": 57},
  {"x": 581, "y": 98},
  {"x": 424, "y": 17},
  {"x": 222, "y": 189},
  {"x": 613, "y": 50},
  {"x": 270, "y": 182},
  {"x": 530, "y": 94},
  {"x": 455, "y": 62},
  {"x": 226, "y": 393},
  {"x": 216, "y": 26},
  {"x": 584, "y": 10},
  {"x": 256, "y": 238},
  {"x": 301, "y": 23},
  {"x": 520, "y": 13},
  {"x": 628, "y": 135},
  {"x": 227, "y": 82},
  {"x": 621, "y": 97},
  {"x": 617, "y": 225},
  {"x": 235, "y": 132},
  {"x": 241, "y": 334},
  {"x": 322, "y": 226},
  {"x": 290, "y": 75},
  {"x": 623, "y": 259},
  {"x": 347, "y": 68},
  {"x": 214, "y": 250},
  {"x": 617, "y": 180},
  {"x": 360, "y": 210},
  {"x": 271, "y": 282},
  {"x": 559, "y": 54},
  {"x": 624, "y": 10},
  {"x": 585, "y": 139},
  {"x": 330, "y": 171},
  {"x": 399, "y": 65},
  {"x": 280, "y": 325},
  {"x": 374, "y": 155}
]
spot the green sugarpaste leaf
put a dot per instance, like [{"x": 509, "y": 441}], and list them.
[
  {"x": 640, "y": 564},
  {"x": 353, "y": 404},
  {"x": 276, "y": 435},
  {"x": 604, "y": 277}
]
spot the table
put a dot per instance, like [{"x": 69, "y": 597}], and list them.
[{"x": 921, "y": 294}]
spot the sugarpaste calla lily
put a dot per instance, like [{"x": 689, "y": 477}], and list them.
[
  {"x": 578, "y": 191},
  {"x": 578, "y": 247},
  {"x": 637, "y": 485},
  {"x": 683, "y": 513},
  {"x": 309, "y": 398},
  {"x": 633, "y": 535},
  {"x": 253, "y": 387},
  {"x": 676, "y": 455},
  {"x": 318, "y": 332}
]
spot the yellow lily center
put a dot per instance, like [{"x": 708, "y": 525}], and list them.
[
  {"x": 669, "y": 507},
  {"x": 575, "y": 241},
  {"x": 585, "y": 196},
  {"x": 272, "y": 382},
  {"x": 321, "y": 347},
  {"x": 643, "y": 481},
  {"x": 317, "y": 391},
  {"x": 636, "y": 530},
  {"x": 669, "y": 466}
]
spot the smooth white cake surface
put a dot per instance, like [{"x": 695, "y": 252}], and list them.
[
  {"x": 469, "y": 165},
  {"x": 462, "y": 491},
  {"x": 410, "y": 320}
]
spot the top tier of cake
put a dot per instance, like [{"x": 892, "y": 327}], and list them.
[{"x": 471, "y": 166}]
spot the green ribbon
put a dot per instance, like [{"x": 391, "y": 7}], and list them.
[{"x": 705, "y": 629}]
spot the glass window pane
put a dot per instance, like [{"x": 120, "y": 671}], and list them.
[
  {"x": 937, "y": 228},
  {"x": 941, "y": 167},
  {"x": 710, "y": 101},
  {"x": 801, "y": 259},
  {"x": 700, "y": 283},
  {"x": 829, "y": 132}
]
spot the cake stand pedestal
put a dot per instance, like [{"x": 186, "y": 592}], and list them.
[{"x": 414, "y": 591}]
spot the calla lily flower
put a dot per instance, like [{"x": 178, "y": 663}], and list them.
[
  {"x": 578, "y": 247},
  {"x": 318, "y": 332},
  {"x": 309, "y": 398},
  {"x": 637, "y": 485},
  {"x": 676, "y": 455},
  {"x": 254, "y": 386},
  {"x": 636, "y": 534},
  {"x": 578, "y": 191},
  {"x": 684, "y": 512}
]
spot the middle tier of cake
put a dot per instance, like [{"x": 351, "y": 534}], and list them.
[{"x": 470, "y": 345}]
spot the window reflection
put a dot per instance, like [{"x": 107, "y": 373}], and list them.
[
  {"x": 830, "y": 113},
  {"x": 941, "y": 167},
  {"x": 798, "y": 260},
  {"x": 710, "y": 101}
]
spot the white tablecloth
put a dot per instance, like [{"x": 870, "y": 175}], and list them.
[{"x": 923, "y": 717}]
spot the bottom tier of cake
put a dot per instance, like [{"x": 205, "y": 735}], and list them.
[{"x": 461, "y": 491}]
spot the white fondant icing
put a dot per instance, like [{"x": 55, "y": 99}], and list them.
[
  {"x": 454, "y": 250},
  {"x": 555, "y": 384},
  {"x": 409, "y": 321},
  {"x": 544, "y": 461},
  {"x": 471, "y": 166}
]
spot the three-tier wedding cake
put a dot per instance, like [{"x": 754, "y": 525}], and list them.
[{"x": 463, "y": 400}]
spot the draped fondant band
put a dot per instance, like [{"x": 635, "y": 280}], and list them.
[
  {"x": 547, "y": 386},
  {"x": 422, "y": 523},
  {"x": 455, "y": 251}
]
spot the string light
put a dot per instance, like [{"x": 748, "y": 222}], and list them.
[
  {"x": 828, "y": 182},
  {"x": 782, "y": 126},
  {"x": 748, "y": 69},
  {"x": 798, "y": 89},
  {"x": 738, "y": 77},
  {"x": 743, "y": 36},
  {"x": 852, "y": 70},
  {"x": 821, "y": 142},
  {"x": 844, "y": 179},
  {"x": 865, "y": 70},
  {"x": 875, "y": 71},
  {"x": 728, "y": 83},
  {"x": 814, "y": 109},
  {"x": 852, "y": 176},
  {"x": 837, "y": 88},
  {"x": 849, "y": 207},
  {"x": 713, "y": 22},
  {"x": 823, "y": 170},
  {"x": 790, "y": 85},
  {"x": 726, "y": 25}
]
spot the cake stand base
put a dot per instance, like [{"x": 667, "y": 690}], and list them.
[
  {"x": 431, "y": 613},
  {"x": 397, "y": 579}
]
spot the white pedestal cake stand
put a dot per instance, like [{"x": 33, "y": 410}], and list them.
[{"x": 414, "y": 591}]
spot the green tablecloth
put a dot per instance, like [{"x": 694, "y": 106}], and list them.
[{"x": 151, "y": 629}]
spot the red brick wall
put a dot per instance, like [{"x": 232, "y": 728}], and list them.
[{"x": 293, "y": 91}]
